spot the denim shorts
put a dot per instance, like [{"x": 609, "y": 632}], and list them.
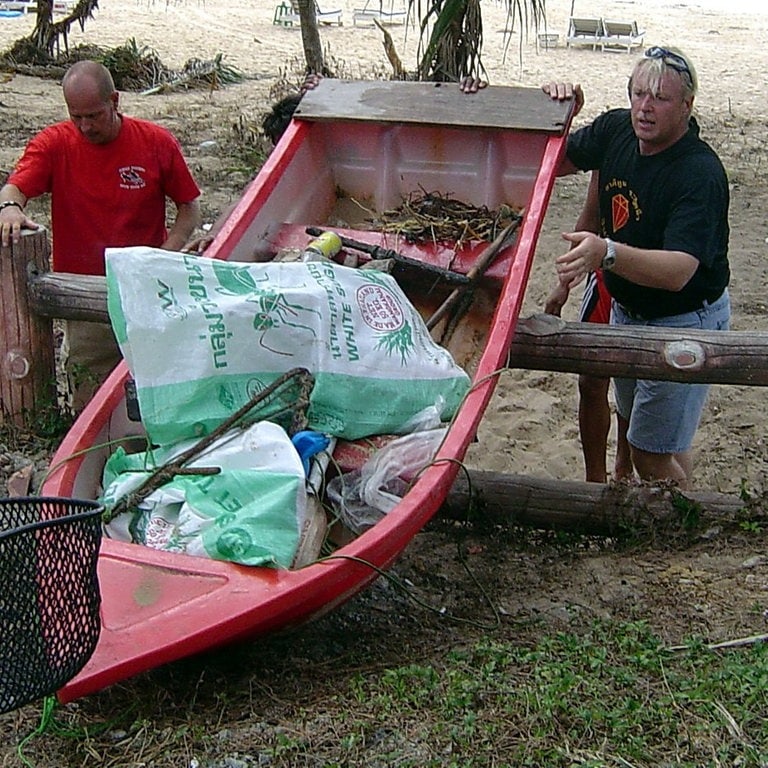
[{"x": 664, "y": 415}]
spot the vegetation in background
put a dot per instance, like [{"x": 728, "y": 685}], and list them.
[
  {"x": 450, "y": 35},
  {"x": 136, "y": 67},
  {"x": 49, "y": 38}
]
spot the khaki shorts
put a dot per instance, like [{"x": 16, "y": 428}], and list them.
[{"x": 89, "y": 352}]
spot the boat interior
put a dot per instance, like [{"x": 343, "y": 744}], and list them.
[{"x": 354, "y": 152}]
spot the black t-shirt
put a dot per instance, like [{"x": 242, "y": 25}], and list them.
[{"x": 676, "y": 200}]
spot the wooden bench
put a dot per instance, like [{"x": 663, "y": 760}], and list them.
[{"x": 548, "y": 40}]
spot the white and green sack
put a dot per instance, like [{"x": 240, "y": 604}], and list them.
[
  {"x": 202, "y": 336},
  {"x": 251, "y": 512}
]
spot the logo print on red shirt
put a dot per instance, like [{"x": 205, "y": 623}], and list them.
[
  {"x": 619, "y": 211},
  {"x": 131, "y": 177}
]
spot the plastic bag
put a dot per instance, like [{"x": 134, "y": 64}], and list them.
[
  {"x": 201, "y": 336},
  {"x": 363, "y": 496}
]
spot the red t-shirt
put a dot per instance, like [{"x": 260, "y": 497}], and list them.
[{"x": 104, "y": 195}]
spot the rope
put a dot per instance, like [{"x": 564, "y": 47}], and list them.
[
  {"x": 49, "y": 724},
  {"x": 46, "y": 718}
]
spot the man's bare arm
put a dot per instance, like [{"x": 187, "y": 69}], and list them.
[{"x": 188, "y": 219}]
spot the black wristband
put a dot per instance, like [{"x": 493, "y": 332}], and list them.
[{"x": 8, "y": 203}]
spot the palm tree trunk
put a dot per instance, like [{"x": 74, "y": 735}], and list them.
[
  {"x": 310, "y": 37},
  {"x": 42, "y": 33},
  {"x": 48, "y": 35}
]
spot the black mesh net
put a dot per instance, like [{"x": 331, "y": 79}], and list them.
[{"x": 49, "y": 594}]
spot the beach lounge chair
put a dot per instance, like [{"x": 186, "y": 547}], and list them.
[
  {"x": 323, "y": 17},
  {"x": 621, "y": 35},
  {"x": 17, "y": 7},
  {"x": 285, "y": 16},
  {"x": 371, "y": 11},
  {"x": 585, "y": 32}
]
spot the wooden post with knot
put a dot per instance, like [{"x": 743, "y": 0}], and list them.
[{"x": 27, "y": 359}]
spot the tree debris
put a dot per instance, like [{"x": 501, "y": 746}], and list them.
[
  {"x": 133, "y": 67},
  {"x": 434, "y": 217}
]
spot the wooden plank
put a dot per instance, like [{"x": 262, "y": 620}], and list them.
[{"x": 443, "y": 104}]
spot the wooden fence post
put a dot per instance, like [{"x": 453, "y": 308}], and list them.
[{"x": 27, "y": 359}]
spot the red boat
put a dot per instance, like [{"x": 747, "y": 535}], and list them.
[{"x": 352, "y": 146}]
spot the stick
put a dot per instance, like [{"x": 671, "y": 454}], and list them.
[
  {"x": 483, "y": 261},
  {"x": 166, "y": 472},
  {"x": 378, "y": 252},
  {"x": 737, "y": 643}
]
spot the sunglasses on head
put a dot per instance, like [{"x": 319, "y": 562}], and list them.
[{"x": 673, "y": 60}]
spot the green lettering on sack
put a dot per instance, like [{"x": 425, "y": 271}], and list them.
[
  {"x": 217, "y": 329},
  {"x": 348, "y": 325}
]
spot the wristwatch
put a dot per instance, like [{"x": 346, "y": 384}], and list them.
[{"x": 610, "y": 255}]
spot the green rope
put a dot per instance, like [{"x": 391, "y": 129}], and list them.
[
  {"x": 49, "y": 724},
  {"x": 46, "y": 719}
]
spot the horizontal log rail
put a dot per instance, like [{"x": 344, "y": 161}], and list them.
[
  {"x": 547, "y": 343},
  {"x": 541, "y": 342},
  {"x": 617, "y": 510},
  {"x": 70, "y": 297}
]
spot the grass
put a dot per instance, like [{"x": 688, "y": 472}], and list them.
[
  {"x": 42, "y": 428},
  {"x": 612, "y": 695}
]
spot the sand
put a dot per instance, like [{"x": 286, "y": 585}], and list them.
[{"x": 531, "y": 425}]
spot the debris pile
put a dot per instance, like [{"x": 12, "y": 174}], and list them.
[{"x": 433, "y": 217}]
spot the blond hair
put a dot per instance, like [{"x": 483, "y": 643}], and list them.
[{"x": 653, "y": 68}]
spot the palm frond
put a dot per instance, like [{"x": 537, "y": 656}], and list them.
[{"x": 451, "y": 34}]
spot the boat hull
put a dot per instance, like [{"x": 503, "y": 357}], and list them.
[{"x": 157, "y": 606}]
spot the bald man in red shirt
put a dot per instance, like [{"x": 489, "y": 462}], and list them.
[{"x": 109, "y": 176}]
